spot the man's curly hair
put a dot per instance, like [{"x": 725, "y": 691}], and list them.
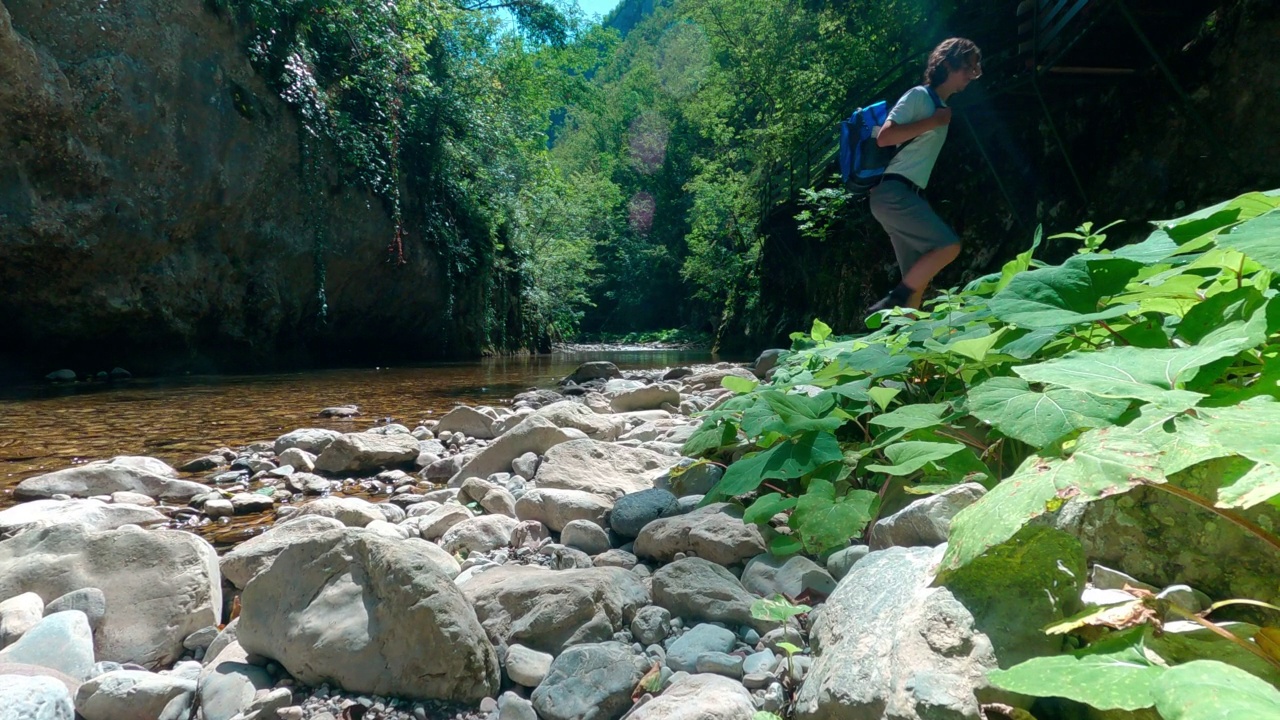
[{"x": 950, "y": 55}]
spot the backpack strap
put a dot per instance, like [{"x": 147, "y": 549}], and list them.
[{"x": 933, "y": 95}]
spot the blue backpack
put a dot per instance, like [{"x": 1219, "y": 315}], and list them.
[{"x": 862, "y": 161}]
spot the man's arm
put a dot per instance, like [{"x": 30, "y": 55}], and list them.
[{"x": 894, "y": 134}]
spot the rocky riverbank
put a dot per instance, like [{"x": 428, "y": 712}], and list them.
[{"x": 547, "y": 558}]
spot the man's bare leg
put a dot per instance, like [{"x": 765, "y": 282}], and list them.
[{"x": 926, "y": 268}]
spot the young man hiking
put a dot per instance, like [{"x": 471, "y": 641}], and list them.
[{"x": 922, "y": 242}]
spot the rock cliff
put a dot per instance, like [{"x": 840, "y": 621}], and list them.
[{"x": 153, "y": 213}]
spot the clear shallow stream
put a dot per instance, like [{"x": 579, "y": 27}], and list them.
[{"x": 46, "y": 428}]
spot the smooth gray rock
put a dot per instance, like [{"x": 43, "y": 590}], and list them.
[
  {"x": 526, "y": 666},
  {"x": 586, "y": 536},
  {"x": 649, "y": 397},
  {"x": 651, "y": 625},
  {"x": 534, "y": 434},
  {"x": 590, "y": 681},
  {"x": 698, "y": 641},
  {"x": 525, "y": 465},
  {"x": 433, "y": 523},
  {"x": 300, "y": 460},
  {"x": 252, "y": 556},
  {"x": 90, "y": 513},
  {"x": 90, "y": 601},
  {"x": 720, "y": 663},
  {"x": 698, "y": 697},
  {"x": 713, "y": 379},
  {"x": 594, "y": 370},
  {"x": 690, "y": 477},
  {"x": 356, "y": 609},
  {"x": 513, "y": 707},
  {"x": 362, "y": 452},
  {"x": 766, "y": 361},
  {"x": 34, "y": 698},
  {"x": 633, "y": 511},
  {"x": 549, "y": 610},
  {"x": 926, "y": 521},
  {"x": 160, "y": 585},
  {"x": 714, "y": 532},
  {"x": 228, "y": 683},
  {"x": 19, "y": 614},
  {"x": 615, "y": 558},
  {"x": 350, "y": 511},
  {"x": 309, "y": 440},
  {"x": 468, "y": 421},
  {"x": 129, "y": 694},
  {"x": 479, "y": 534},
  {"x": 146, "y": 476},
  {"x": 570, "y": 414},
  {"x": 841, "y": 561},
  {"x": 766, "y": 575},
  {"x": 61, "y": 641},
  {"x": 702, "y": 590},
  {"x": 557, "y": 508},
  {"x": 599, "y": 467}
]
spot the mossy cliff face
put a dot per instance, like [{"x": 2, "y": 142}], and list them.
[{"x": 153, "y": 214}]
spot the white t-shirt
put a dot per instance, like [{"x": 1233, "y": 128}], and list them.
[{"x": 915, "y": 160}]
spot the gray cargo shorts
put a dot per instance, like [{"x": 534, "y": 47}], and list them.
[{"x": 914, "y": 228}]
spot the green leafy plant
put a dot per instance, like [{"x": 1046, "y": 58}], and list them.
[
  {"x": 776, "y": 609},
  {"x": 1090, "y": 240},
  {"x": 1076, "y": 382}
]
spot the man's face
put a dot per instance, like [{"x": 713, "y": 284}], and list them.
[{"x": 970, "y": 71}]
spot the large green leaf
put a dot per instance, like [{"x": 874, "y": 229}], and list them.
[
  {"x": 710, "y": 436},
  {"x": 913, "y": 417},
  {"x": 788, "y": 459},
  {"x": 1211, "y": 690},
  {"x": 1019, "y": 264},
  {"x": 1068, "y": 294},
  {"x": 1258, "y": 238},
  {"x": 1105, "y": 462},
  {"x": 1040, "y": 418},
  {"x": 1260, "y": 484},
  {"x": 1221, "y": 309},
  {"x": 1154, "y": 375},
  {"x": 912, "y": 455},
  {"x": 824, "y": 521},
  {"x": 1113, "y": 674},
  {"x": 790, "y": 414},
  {"x": 1250, "y": 429},
  {"x": 766, "y": 506}
]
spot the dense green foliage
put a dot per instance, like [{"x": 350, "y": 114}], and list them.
[
  {"x": 443, "y": 109},
  {"x": 1114, "y": 370}
]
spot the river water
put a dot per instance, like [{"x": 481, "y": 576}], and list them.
[{"x": 46, "y": 428}]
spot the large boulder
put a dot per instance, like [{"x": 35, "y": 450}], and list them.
[
  {"x": 600, "y": 468},
  {"x": 712, "y": 379},
  {"x": 34, "y": 698},
  {"x": 104, "y": 477},
  {"x": 468, "y": 421},
  {"x": 362, "y": 452},
  {"x": 889, "y": 644},
  {"x": 370, "y": 614},
  {"x": 698, "y": 697},
  {"x": 925, "y": 521},
  {"x": 310, "y": 440},
  {"x": 557, "y": 508},
  {"x": 700, "y": 590},
  {"x": 19, "y": 614},
  {"x": 715, "y": 532},
  {"x": 532, "y": 435},
  {"x": 1214, "y": 556},
  {"x": 570, "y": 414},
  {"x": 160, "y": 585},
  {"x": 594, "y": 370},
  {"x": 251, "y": 557},
  {"x": 635, "y": 510},
  {"x": 549, "y": 610},
  {"x": 590, "y": 681},
  {"x": 90, "y": 513}
]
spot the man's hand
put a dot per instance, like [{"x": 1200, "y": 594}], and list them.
[{"x": 942, "y": 116}]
